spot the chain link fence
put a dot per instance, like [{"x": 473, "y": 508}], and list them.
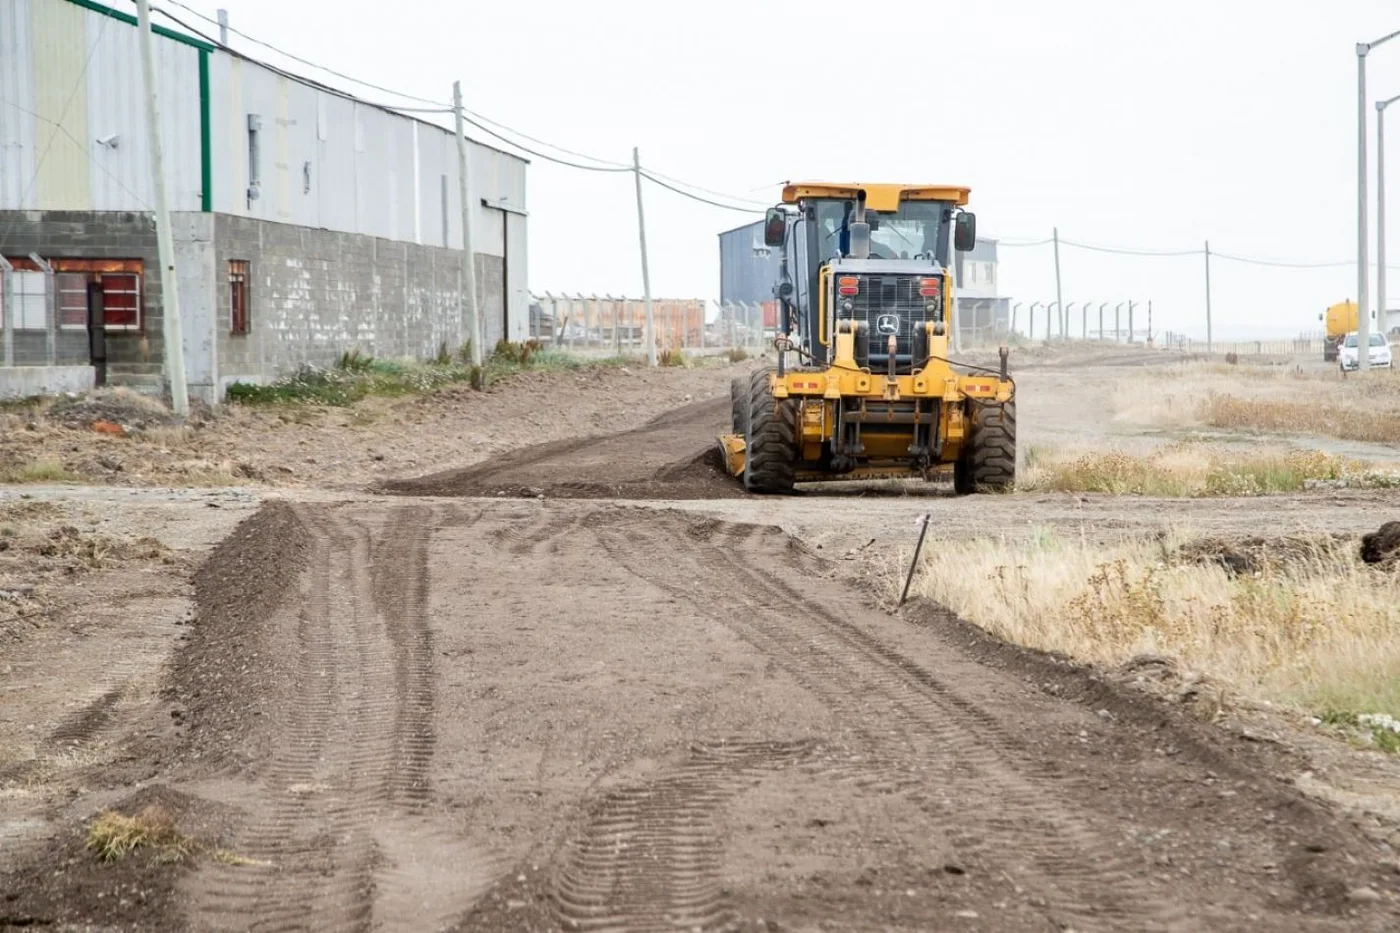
[{"x": 611, "y": 326}]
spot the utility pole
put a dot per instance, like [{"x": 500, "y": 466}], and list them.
[
  {"x": 1131, "y": 305},
  {"x": 1102, "y": 306},
  {"x": 1059, "y": 299},
  {"x": 1208, "y": 330},
  {"x": 1118, "y": 323},
  {"x": 478, "y": 333},
  {"x": 1049, "y": 331},
  {"x": 1014, "y": 308},
  {"x": 1065, "y": 317},
  {"x": 646, "y": 277},
  {"x": 1363, "y": 267},
  {"x": 1084, "y": 321},
  {"x": 223, "y": 27},
  {"x": 165, "y": 244},
  {"x": 1380, "y": 218},
  {"x": 1030, "y": 316},
  {"x": 1149, "y": 322}
]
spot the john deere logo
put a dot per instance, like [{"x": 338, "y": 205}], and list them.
[{"x": 887, "y": 324}]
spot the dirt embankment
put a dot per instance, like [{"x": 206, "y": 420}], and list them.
[{"x": 122, "y": 439}]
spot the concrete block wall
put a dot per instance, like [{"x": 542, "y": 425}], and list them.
[
  {"x": 316, "y": 293},
  {"x": 88, "y": 235}
]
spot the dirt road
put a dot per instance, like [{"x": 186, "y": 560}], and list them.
[
  {"x": 586, "y": 687},
  {"x": 515, "y": 716}
]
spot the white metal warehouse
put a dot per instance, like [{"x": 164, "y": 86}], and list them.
[{"x": 307, "y": 221}]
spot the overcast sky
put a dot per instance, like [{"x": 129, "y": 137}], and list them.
[{"x": 1126, "y": 124}]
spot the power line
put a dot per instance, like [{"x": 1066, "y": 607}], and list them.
[
  {"x": 548, "y": 158},
  {"x": 437, "y": 108},
  {"x": 295, "y": 58},
  {"x": 719, "y": 194},
  {"x": 1130, "y": 251},
  {"x": 695, "y": 197},
  {"x": 1286, "y": 264},
  {"x": 581, "y": 155}
]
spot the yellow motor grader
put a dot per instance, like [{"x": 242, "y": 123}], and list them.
[{"x": 863, "y": 388}]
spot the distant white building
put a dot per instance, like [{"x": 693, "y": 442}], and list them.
[{"x": 307, "y": 221}]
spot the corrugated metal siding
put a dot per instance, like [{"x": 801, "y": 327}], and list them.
[
  {"x": 58, "y": 53},
  {"x": 120, "y": 178},
  {"x": 366, "y": 173},
  {"x": 17, "y": 126},
  {"x": 742, "y": 275}
]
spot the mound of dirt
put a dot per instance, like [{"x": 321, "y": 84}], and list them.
[
  {"x": 128, "y": 409},
  {"x": 1259, "y": 555},
  {"x": 1382, "y": 546},
  {"x": 674, "y": 456}
]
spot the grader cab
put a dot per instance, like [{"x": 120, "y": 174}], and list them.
[{"x": 864, "y": 388}]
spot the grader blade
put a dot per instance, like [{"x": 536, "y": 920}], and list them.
[{"x": 731, "y": 449}]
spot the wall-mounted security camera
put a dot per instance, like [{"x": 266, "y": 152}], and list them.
[{"x": 111, "y": 140}]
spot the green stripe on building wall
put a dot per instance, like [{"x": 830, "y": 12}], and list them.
[
  {"x": 131, "y": 20},
  {"x": 206, "y": 159}
]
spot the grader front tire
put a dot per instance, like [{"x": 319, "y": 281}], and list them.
[
  {"x": 738, "y": 404},
  {"x": 989, "y": 463},
  {"x": 770, "y": 439}
]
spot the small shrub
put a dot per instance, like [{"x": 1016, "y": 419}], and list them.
[
  {"x": 1377, "y": 729},
  {"x": 464, "y": 353},
  {"x": 519, "y": 354},
  {"x": 671, "y": 357},
  {"x": 736, "y": 354},
  {"x": 354, "y": 361},
  {"x": 444, "y": 356}
]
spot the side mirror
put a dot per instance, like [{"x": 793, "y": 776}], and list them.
[
  {"x": 774, "y": 227},
  {"x": 965, "y": 232},
  {"x": 785, "y": 290}
]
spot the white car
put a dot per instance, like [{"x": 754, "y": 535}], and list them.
[{"x": 1380, "y": 352}]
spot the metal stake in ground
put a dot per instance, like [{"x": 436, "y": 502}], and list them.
[{"x": 915, "y": 562}]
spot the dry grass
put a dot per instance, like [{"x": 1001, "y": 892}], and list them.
[
  {"x": 1265, "y": 398},
  {"x": 226, "y": 857},
  {"x": 114, "y": 835},
  {"x": 1311, "y": 626},
  {"x": 1192, "y": 470},
  {"x": 37, "y": 471}
]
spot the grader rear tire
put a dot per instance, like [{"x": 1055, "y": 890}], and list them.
[
  {"x": 989, "y": 462},
  {"x": 770, "y": 439},
  {"x": 738, "y": 404}
]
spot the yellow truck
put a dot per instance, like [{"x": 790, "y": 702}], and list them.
[{"x": 1341, "y": 319}]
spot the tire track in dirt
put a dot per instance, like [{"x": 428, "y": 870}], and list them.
[
  {"x": 356, "y": 738},
  {"x": 917, "y": 728},
  {"x": 648, "y": 858}
]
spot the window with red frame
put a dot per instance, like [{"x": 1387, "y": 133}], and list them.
[
  {"x": 238, "y": 295},
  {"x": 121, "y": 300},
  {"x": 121, "y": 292}
]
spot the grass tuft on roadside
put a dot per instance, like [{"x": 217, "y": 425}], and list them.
[
  {"x": 357, "y": 375},
  {"x": 38, "y": 471},
  {"x": 113, "y": 836},
  {"x": 1191, "y": 470},
  {"x": 1304, "y": 623}
]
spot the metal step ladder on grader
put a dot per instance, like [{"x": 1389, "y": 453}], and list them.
[{"x": 863, "y": 388}]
